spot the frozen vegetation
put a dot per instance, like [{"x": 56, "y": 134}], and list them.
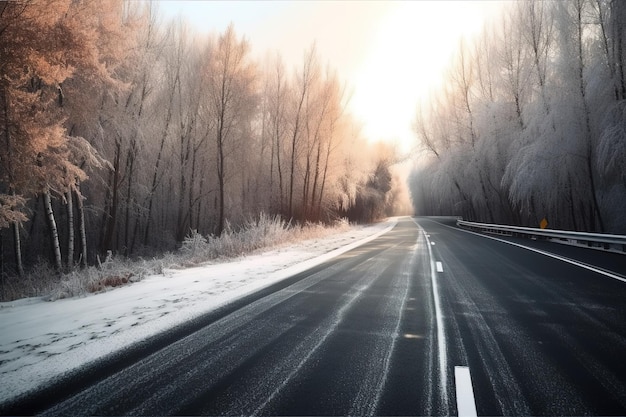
[
  {"x": 40, "y": 340},
  {"x": 530, "y": 122},
  {"x": 113, "y": 271},
  {"x": 122, "y": 132}
]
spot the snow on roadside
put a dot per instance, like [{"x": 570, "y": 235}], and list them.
[{"x": 40, "y": 340}]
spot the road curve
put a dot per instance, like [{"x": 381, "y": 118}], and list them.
[{"x": 425, "y": 320}]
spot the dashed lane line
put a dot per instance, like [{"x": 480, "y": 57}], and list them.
[
  {"x": 442, "y": 348},
  {"x": 465, "y": 403}
]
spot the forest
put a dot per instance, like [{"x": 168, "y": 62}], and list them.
[
  {"x": 123, "y": 132},
  {"x": 531, "y": 121}
]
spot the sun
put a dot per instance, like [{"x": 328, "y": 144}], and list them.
[{"x": 404, "y": 65}]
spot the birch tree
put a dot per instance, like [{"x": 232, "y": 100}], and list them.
[{"x": 59, "y": 42}]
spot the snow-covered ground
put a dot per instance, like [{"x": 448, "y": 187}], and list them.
[{"x": 40, "y": 340}]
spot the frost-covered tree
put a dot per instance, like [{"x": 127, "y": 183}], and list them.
[
  {"x": 122, "y": 132},
  {"x": 44, "y": 44},
  {"x": 230, "y": 88},
  {"x": 530, "y": 126}
]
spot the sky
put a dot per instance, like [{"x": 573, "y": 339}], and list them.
[{"x": 391, "y": 54}]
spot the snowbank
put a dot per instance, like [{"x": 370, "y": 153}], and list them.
[{"x": 40, "y": 340}]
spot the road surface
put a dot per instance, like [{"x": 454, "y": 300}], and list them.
[{"x": 425, "y": 320}]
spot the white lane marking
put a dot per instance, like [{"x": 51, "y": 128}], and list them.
[
  {"x": 441, "y": 337},
  {"x": 439, "y": 267},
  {"x": 432, "y": 243},
  {"x": 465, "y": 403},
  {"x": 552, "y": 255}
]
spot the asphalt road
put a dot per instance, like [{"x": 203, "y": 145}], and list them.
[
  {"x": 425, "y": 320},
  {"x": 540, "y": 336}
]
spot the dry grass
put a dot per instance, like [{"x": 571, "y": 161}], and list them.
[{"x": 263, "y": 232}]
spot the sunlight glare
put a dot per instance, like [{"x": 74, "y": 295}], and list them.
[
  {"x": 404, "y": 65},
  {"x": 390, "y": 54}
]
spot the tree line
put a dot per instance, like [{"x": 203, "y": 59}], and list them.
[
  {"x": 531, "y": 121},
  {"x": 122, "y": 132}
]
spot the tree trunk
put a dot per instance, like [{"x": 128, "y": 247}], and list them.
[
  {"x": 316, "y": 175},
  {"x": 296, "y": 130},
  {"x": 155, "y": 181},
  {"x": 70, "y": 230},
  {"x": 589, "y": 136},
  {"x": 18, "y": 249},
  {"x": 618, "y": 19},
  {"x": 155, "y": 173},
  {"x": 81, "y": 226},
  {"x": 1, "y": 265},
  {"x": 16, "y": 226},
  {"x": 323, "y": 184},
  {"x": 181, "y": 218},
  {"x": 293, "y": 159},
  {"x": 305, "y": 187},
  {"x": 279, "y": 169},
  {"x": 130, "y": 170},
  {"x": 111, "y": 218},
  {"x": 192, "y": 199},
  {"x": 220, "y": 177},
  {"x": 54, "y": 234},
  {"x": 486, "y": 197},
  {"x": 201, "y": 196}
]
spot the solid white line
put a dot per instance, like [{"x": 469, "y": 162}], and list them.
[
  {"x": 465, "y": 403},
  {"x": 439, "y": 267},
  {"x": 552, "y": 255}
]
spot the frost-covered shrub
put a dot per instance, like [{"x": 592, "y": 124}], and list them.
[
  {"x": 73, "y": 284},
  {"x": 113, "y": 272},
  {"x": 159, "y": 265},
  {"x": 261, "y": 232},
  {"x": 193, "y": 244},
  {"x": 38, "y": 280},
  {"x": 264, "y": 231}
]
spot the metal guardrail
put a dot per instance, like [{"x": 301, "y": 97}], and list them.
[{"x": 594, "y": 240}]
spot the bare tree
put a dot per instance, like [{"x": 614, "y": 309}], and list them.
[
  {"x": 230, "y": 78},
  {"x": 277, "y": 101},
  {"x": 303, "y": 82}
]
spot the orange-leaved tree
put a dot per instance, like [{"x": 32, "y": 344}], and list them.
[{"x": 43, "y": 43}]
